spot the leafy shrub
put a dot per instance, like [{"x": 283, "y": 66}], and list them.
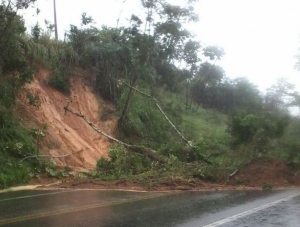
[
  {"x": 33, "y": 99},
  {"x": 257, "y": 128},
  {"x": 267, "y": 187},
  {"x": 12, "y": 172},
  {"x": 52, "y": 171},
  {"x": 122, "y": 163},
  {"x": 59, "y": 80},
  {"x": 289, "y": 150},
  {"x": 15, "y": 143}
]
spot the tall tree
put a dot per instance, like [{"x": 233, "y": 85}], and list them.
[
  {"x": 281, "y": 95},
  {"x": 165, "y": 42},
  {"x": 14, "y": 67}
]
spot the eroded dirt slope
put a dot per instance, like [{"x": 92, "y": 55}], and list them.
[
  {"x": 267, "y": 171},
  {"x": 66, "y": 133}
]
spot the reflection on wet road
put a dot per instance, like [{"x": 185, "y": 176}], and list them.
[
  {"x": 285, "y": 214},
  {"x": 165, "y": 209}
]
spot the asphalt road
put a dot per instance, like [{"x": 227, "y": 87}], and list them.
[{"x": 85, "y": 208}]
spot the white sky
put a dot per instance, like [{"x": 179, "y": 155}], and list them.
[{"x": 260, "y": 37}]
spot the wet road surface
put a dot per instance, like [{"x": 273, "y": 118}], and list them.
[{"x": 85, "y": 208}]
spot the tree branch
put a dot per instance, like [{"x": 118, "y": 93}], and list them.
[
  {"x": 161, "y": 110},
  {"x": 138, "y": 149},
  {"x": 203, "y": 158},
  {"x": 50, "y": 156}
]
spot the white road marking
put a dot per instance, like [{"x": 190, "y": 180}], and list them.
[
  {"x": 30, "y": 196},
  {"x": 248, "y": 212}
]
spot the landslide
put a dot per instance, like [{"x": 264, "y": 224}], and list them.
[{"x": 66, "y": 133}]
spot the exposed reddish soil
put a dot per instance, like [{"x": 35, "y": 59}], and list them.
[
  {"x": 273, "y": 172},
  {"x": 67, "y": 133}
]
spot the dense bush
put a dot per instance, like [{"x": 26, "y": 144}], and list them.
[
  {"x": 15, "y": 144},
  {"x": 257, "y": 128},
  {"x": 12, "y": 172},
  {"x": 122, "y": 163},
  {"x": 15, "y": 72},
  {"x": 59, "y": 80}
]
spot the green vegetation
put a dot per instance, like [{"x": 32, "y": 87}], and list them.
[
  {"x": 141, "y": 68},
  {"x": 59, "y": 81},
  {"x": 267, "y": 187},
  {"x": 15, "y": 141}
]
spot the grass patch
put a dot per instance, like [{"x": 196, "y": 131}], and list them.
[{"x": 205, "y": 123}]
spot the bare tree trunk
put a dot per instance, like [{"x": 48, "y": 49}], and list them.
[
  {"x": 55, "y": 20},
  {"x": 161, "y": 110},
  {"x": 128, "y": 101},
  {"x": 50, "y": 156},
  {"x": 187, "y": 95}
]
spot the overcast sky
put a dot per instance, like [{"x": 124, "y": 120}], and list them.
[{"x": 260, "y": 37}]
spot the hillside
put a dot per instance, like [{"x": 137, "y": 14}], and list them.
[
  {"x": 66, "y": 133},
  {"x": 184, "y": 123}
]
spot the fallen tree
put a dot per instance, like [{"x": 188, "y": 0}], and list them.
[
  {"x": 37, "y": 156},
  {"x": 188, "y": 143},
  {"x": 120, "y": 82},
  {"x": 151, "y": 154}
]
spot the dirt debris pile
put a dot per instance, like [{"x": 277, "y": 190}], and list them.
[{"x": 266, "y": 172}]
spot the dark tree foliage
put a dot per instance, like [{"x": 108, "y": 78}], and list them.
[
  {"x": 206, "y": 83},
  {"x": 257, "y": 127},
  {"x": 36, "y": 32},
  {"x": 281, "y": 95},
  {"x": 15, "y": 141},
  {"x": 14, "y": 67},
  {"x": 213, "y": 90}
]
